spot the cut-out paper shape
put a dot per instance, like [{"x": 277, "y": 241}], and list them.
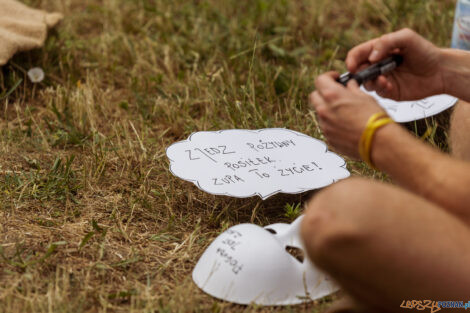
[
  {"x": 250, "y": 264},
  {"x": 408, "y": 111},
  {"x": 245, "y": 163}
]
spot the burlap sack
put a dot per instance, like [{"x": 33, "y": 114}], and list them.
[{"x": 22, "y": 28}]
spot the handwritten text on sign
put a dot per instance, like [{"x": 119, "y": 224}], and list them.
[
  {"x": 407, "y": 111},
  {"x": 244, "y": 163}
]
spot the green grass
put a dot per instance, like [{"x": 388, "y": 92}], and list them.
[{"x": 91, "y": 220}]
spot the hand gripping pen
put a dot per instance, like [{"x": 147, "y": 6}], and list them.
[{"x": 372, "y": 72}]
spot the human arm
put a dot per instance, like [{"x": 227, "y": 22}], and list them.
[
  {"x": 423, "y": 169},
  {"x": 455, "y": 66},
  {"x": 420, "y": 168}
]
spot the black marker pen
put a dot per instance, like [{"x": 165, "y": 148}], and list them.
[{"x": 373, "y": 71}]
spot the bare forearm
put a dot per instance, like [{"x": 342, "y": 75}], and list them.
[
  {"x": 423, "y": 170},
  {"x": 455, "y": 69}
]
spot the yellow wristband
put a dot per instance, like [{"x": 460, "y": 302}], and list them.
[
  {"x": 366, "y": 134},
  {"x": 375, "y": 122}
]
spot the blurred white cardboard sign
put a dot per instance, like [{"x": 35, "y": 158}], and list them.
[
  {"x": 408, "y": 111},
  {"x": 245, "y": 163}
]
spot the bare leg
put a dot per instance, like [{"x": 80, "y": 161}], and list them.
[
  {"x": 460, "y": 131},
  {"x": 384, "y": 245}
]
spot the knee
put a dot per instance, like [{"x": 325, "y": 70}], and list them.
[{"x": 335, "y": 220}]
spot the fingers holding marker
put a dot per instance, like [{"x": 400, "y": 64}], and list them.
[
  {"x": 382, "y": 82},
  {"x": 371, "y": 85},
  {"x": 391, "y": 43},
  {"x": 320, "y": 105},
  {"x": 316, "y": 100},
  {"x": 358, "y": 57},
  {"x": 328, "y": 87},
  {"x": 353, "y": 85},
  {"x": 327, "y": 80},
  {"x": 386, "y": 86},
  {"x": 377, "y": 49}
]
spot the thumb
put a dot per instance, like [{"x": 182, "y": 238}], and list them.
[
  {"x": 353, "y": 85},
  {"x": 380, "y": 49},
  {"x": 388, "y": 43}
]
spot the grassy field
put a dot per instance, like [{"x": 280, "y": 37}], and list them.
[{"x": 91, "y": 220}]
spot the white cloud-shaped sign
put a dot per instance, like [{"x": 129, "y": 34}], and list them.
[
  {"x": 408, "y": 111},
  {"x": 245, "y": 163}
]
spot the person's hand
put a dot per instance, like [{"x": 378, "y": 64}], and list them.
[
  {"x": 418, "y": 77},
  {"x": 342, "y": 112}
]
